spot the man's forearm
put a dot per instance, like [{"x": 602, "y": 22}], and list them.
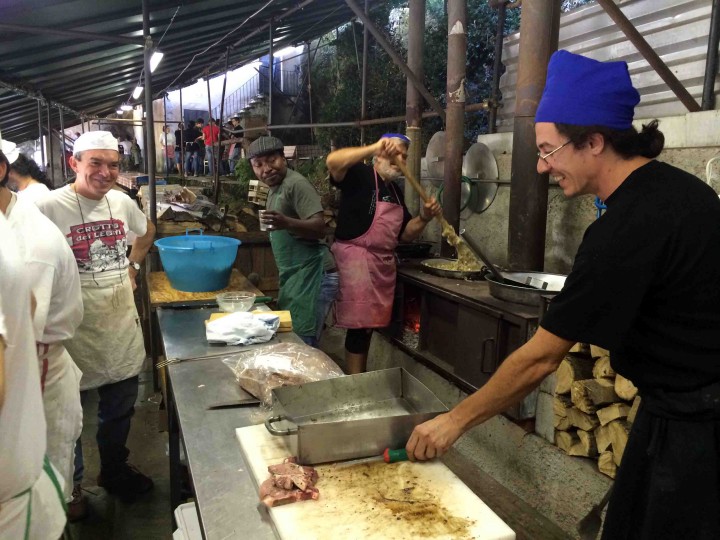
[
  {"x": 339, "y": 161},
  {"x": 413, "y": 229},
  {"x": 142, "y": 244},
  {"x": 517, "y": 376},
  {"x": 313, "y": 228}
]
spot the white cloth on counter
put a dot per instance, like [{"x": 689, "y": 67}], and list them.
[{"x": 243, "y": 328}]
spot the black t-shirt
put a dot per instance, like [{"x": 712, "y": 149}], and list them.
[
  {"x": 191, "y": 134},
  {"x": 645, "y": 283},
  {"x": 178, "y": 134},
  {"x": 357, "y": 204}
]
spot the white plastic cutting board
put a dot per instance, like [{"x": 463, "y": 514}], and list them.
[{"x": 374, "y": 500}]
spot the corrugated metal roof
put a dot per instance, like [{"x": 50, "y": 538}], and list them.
[
  {"x": 94, "y": 77},
  {"x": 677, "y": 29}
]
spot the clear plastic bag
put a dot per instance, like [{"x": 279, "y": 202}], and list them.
[{"x": 260, "y": 370}]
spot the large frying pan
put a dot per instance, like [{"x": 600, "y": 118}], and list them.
[{"x": 434, "y": 266}]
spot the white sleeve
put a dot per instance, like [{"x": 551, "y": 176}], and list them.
[
  {"x": 137, "y": 221},
  {"x": 41, "y": 276}
]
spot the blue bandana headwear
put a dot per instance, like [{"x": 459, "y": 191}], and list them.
[
  {"x": 400, "y": 136},
  {"x": 584, "y": 92}
]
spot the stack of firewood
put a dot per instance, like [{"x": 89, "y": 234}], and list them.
[{"x": 593, "y": 408}]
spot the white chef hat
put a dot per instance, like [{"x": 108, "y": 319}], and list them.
[
  {"x": 95, "y": 140},
  {"x": 10, "y": 150}
]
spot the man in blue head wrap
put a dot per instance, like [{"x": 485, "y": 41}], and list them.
[
  {"x": 644, "y": 285},
  {"x": 372, "y": 218}
]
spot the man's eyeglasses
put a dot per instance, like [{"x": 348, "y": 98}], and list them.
[{"x": 544, "y": 157}]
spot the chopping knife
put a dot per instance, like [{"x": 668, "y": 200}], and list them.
[{"x": 263, "y": 299}]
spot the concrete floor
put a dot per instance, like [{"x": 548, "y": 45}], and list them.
[{"x": 149, "y": 517}]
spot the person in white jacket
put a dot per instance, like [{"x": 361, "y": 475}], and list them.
[
  {"x": 31, "y": 500},
  {"x": 55, "y": 284}
]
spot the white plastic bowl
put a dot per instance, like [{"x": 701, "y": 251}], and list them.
[{"x": 234, "y": 301}]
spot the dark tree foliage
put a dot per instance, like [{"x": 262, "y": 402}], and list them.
[{"x": 336, "y": 73}]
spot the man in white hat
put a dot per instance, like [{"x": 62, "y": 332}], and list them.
[
  {"x": 31, "y": 501},
  {"x": 108, "y": 346},
  {"x": 50, "y": 267}
]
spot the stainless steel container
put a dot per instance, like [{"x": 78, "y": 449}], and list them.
[
  {"x": 525, "y": 295},
  {"x": 354, "y": 416}
]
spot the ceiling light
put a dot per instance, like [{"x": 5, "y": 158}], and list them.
[
  {"x": 136, "y": 93},
  {"x": 119, "y": 111},
  {"x": 126, "y": 107},
  {"x": 155, "y": 60}
]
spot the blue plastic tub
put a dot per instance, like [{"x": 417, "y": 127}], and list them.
[{"x": 198, "y": 263}]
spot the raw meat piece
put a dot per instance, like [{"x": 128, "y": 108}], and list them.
[{"x": 289, "y": 482}]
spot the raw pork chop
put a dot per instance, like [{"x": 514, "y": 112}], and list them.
[{"x": 289, "y": 482}]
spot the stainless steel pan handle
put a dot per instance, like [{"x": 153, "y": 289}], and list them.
[{"x": 278, "y": 432}]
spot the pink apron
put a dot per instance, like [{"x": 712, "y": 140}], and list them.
[{"x": 366, "y": 267}]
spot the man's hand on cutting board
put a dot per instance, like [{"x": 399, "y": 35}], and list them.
[{"x": 433, "y": 438}]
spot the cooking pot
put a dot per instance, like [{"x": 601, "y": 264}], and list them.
[{"x": 529, "y": 296}]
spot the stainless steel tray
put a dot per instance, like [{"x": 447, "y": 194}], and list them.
[
  {"x": 525, "y": 295},
  {"x": 354, "y": 416}
]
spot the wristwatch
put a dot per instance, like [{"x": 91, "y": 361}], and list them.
[{"x": 135, "y": 265}]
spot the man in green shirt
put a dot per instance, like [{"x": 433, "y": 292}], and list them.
[{"x": 294, "y": 217}]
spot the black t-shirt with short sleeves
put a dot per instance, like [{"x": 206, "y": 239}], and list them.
[
  {"x": 645, "y": 283},
  {"x": 357, "y": 204}
]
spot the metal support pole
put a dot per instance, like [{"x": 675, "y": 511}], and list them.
[
  {"x": 82, "y": 124},
  {"x": 207, "y": 81},
  {"x": 51, "y": 157},
  {"x": 272, "y": 70},
  {"x": 648, "y": 53},
  {"x": 539, "y": 30},
  {"x": 40, "y": 135},
  {"x": 182, "y": 138},
  {"x": 455, "y": 124},
  {"x": 497, "y": 65},
  {"x": 385, "y": 44},
  {"x": 218, "y": 158},
  {"x": 149, "y": 115},
  {"x": 413, "y": 99},
  {"x": 711, "y": 65},
  {"x": 309, "y": 83},
  {"x": 164, "y": 135},
  {"x": 62, "y": 145},
  {"x": 363, "y": 88}
]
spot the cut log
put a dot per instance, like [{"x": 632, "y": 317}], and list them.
[
  {"x": 602, "y": 368},
  {"x": 606, "y": 465},
  {"x": 565, "y": 440},
  {"x": 583, "y": 420},
  {"x": 602, "y": 438},
  {"x": 577, "y": 348},
  {"x": 596, "y": 351},
  {"x": 561, "y": 404},
  {"x": 633, "y": 410},
  {"x": 572, "y": 368},
  {"x": 600, "y": 391},
  {"x": 624, "y": 388},
  {"x": 586, "y": 447},
  {"x": 619, "y": 430},
  {"x": 613, "y": 412},
  {"x": 579, "y": 397},
  {"x": 562, "y": 423}
]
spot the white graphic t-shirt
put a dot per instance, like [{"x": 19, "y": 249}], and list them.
[{"x": 95, "y": 230}]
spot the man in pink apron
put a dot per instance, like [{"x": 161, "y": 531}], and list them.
[{"x": 372, "y": 218}]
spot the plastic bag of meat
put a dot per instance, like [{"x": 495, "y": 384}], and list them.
[{"x": 260, "y": 370}]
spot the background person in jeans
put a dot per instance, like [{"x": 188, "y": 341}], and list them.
[{"x": 294, "y": 216}]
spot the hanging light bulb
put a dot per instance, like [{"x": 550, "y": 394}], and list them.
[
  {"x": 136, "y": 93},
  {"x": 126, "y": 107}
]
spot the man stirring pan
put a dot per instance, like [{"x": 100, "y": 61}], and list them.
[
  {"x": 644, "y": 285},
  {"x": 108, "y": 346},
  {"x": 294, "y": 216},
  {"x": 372, "y": 218}
]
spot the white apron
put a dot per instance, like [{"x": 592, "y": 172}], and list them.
[
  {"x": 63, "y": 411},
  {"x": 37, "y": 513},
  {"x": 108, "y": 346}
]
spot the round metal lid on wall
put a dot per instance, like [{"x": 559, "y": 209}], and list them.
[
  {"x": 479, "y": 164},
  {"x": 435, "y": 156}
]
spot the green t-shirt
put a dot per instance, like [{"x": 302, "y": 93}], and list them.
[{"x": 297, "y": 198}]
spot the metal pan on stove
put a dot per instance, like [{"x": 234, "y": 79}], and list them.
[{"x": 435, "y": 267}]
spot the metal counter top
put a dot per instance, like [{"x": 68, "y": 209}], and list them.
[{"x": 226, "y": 498}]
